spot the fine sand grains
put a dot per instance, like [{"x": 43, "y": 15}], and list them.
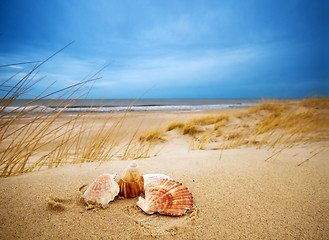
[
  {"x": 239, "y": 196},
  {"x": 247, "y": 192}
]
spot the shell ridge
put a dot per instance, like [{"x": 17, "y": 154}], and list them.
[
  {"x": 155, "y": 200},
  {"x": 102, "y": 190},
  {"x": 166, "y": 196},
  {"x": 159, "y": 199}
]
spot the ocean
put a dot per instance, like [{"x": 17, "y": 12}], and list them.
[{"x": 109, "y": 105}]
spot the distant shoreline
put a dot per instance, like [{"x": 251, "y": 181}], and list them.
[{"x": 121, "y": 105}]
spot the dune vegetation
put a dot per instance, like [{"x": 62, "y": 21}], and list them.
[
  {"x": 270, "y": 124},
  {"x": 39, "y": 134},
  {"x": 155, "y": 134},
  {"x": 36, "y": 135}
]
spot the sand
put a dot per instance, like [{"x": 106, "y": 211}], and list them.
[{"x": 237, "y": 194}]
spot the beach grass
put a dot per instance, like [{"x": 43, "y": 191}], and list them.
[
  {"x": 268, "y": 124},
  {"x": 32, "y": 141},
  {"x": 175, "y": 125},
  {"x": 155, "y": 134},
  {"x": 34, "y": 135},
  {"x": 190, "y": 128},
  {"x": 208, "y": 119}
]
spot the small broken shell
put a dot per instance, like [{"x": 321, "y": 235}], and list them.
[
  {"x": 166, "y": 197},
  {"x": 152, "y": 177},
  {"x": 101, "y": 191},
  {"x": 132, "y": 183}
]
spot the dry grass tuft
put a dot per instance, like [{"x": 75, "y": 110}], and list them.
[
  {"x": 218, "y": 131},
  {"x": 204, "y": 139},
  {"x": 293, "y": 121},
  {"x": 155, "y": 134},
  {"x": 209, "y": 120},
  {"x": 267, "y": 105},
  {"x": 233, "y": 135},
  {"x": 322, "y": 103},
  {"x": 190, "y": 129},
  {"x": 175, "y": 124},
  {"x": 193, "y": 126},
  {"x": 271, "y": 124}
]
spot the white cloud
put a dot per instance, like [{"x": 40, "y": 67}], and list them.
[
  {"x": 178, "y": 69},
  {"x": 130, "y": 75}
]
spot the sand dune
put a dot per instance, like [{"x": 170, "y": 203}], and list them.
[{"x": 237, "y": 194}]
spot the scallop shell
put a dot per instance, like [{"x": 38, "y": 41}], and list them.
[
  {"x": 166, "y": 197},
  {"x": 101, "y": 191},
  {"x": 152, "y": 177}
]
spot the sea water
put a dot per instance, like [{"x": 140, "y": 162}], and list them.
[{"x": 109, "y": 105}]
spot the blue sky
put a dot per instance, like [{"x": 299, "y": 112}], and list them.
[{"x": 171, "y": 49}]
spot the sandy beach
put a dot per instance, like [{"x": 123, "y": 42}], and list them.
[
  {"x": 241, "y": 192},
  {"x": 229, "y": 99}
]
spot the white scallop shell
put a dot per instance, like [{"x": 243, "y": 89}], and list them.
[
  {"x": 101, "y": 191},
  {"x": 167, "y": 197},
  {"x": 151, "y": 177}
]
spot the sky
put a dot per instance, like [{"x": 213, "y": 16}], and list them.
[{"x": 169, "y": 49}]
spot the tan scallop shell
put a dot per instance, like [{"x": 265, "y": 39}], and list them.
[
  {"x": 166, "y": 197},
  {"x": 101, "y": 191}
]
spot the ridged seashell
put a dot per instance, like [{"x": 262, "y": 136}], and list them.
[
  {"x": 152, "y": 177},
  {"x": 167, "y": 197},
  {"x": 131, "y": 189},
  {"x": 132, "y": 182},
  {"x": 102, "y": 190}
]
